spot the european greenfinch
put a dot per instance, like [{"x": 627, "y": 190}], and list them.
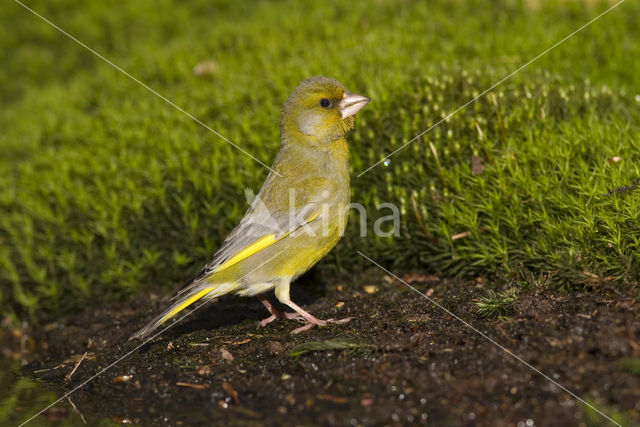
[{"x": 297, "y": 217}]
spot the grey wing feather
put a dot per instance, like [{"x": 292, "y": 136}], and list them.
[{"x": 257, "y": 223}]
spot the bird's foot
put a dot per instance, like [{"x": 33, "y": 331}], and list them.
[
  {"x": 311, "y": 319},
  {"x": 279, "y": 315},
  {"x": 319, "y": 322},
  {"x": 276, "y": 314},
  {"x": 300, "y": 314},
  {"x": 264, "y": 322}
]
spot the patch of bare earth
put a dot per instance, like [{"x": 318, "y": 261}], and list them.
[{"x": 414, "y": 363}]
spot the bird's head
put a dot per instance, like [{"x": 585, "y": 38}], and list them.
[{"x": 321, "y": 109}]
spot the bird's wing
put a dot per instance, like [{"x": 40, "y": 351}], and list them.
[{"x": 257, "y": 230}]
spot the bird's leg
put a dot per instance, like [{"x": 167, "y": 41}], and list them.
[
  {"x": 311, "y": 319},
  {"x": 282, "y": 293},
  {"x": 275, "y": 313}
]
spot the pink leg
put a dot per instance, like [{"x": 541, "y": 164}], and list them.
[
  {"x": 312, "y": 321},
  {"x": 275, "y": 313}
]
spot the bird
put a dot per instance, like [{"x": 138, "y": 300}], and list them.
[{"x": 298, "y": 216}]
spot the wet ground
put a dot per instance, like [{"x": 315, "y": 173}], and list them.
[{"x": 401, "y": 360}]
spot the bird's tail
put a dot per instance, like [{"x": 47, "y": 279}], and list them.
[{"x": 205, "y": 291}]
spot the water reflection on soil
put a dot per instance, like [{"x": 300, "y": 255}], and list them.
[{"x": 22, "y": 397}]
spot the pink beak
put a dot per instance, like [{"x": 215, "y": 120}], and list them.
[{"x": 351, "y": 104}]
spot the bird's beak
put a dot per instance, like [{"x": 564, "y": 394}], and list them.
[{"x": 351, "y": 104}]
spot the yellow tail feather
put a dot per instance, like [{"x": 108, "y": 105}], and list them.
[
  {"x": 184, "y": 304},
  {"x": 172, "y": 311}
]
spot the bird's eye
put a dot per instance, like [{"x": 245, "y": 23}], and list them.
[{"x": 325, "y": 103}]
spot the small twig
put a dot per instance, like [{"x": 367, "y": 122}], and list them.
[
  {"x": 630, "y": 336},
  {"x": 231, "y": 392},
  {"x": 624, "y": 188},
  {"x": 494, "y": 99},
  {"x": 191, "y": 385},
  {"x": 75, "y": 408},
  {"x": 334, "y": 399},
  {"x": 37, "y": 371},
  {"x": 461, "y": 235},
  {"x": 419, "y": 218},
  {"x": 68, "y": 377}
]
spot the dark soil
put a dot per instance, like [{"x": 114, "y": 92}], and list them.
[{"x": 415, "y": 363}]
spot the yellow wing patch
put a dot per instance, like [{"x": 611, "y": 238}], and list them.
[
  {"x": 312, "y": 217},
  {"x": 257, "y": 246}
]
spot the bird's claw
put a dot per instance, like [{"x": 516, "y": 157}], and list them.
[
  {"x": 319, "y": 322},
  {"x": 340, "y": 321},
  {"x": 264, "y": 322},
  {"x": 279, "y": 315}
]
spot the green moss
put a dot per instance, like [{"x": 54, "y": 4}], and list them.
[
  {"x": 629, "y": 364},
  {"x": 591, "y": 418},
  {"x": 105, "y": 189},
  {"x": 496, "y": 304},
  {"x": 330, "y": 345}
]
